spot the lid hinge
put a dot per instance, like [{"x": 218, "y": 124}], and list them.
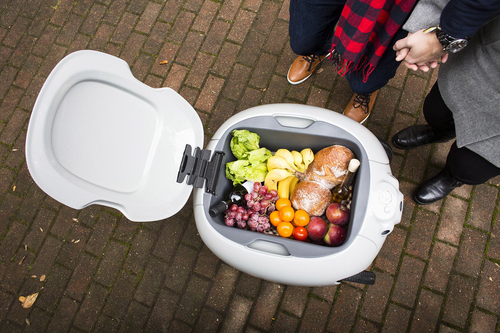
[{"x": 200, "y": 167}]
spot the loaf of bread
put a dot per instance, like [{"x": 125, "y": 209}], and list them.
[
  {"x": 312, "y": 197},
  {"x": 329, "y": 167}
]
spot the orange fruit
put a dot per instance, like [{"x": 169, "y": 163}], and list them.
[
  {"x": 301, "y": 218},
  {"x": 285, "y": 229},
  {"x": 274, "y": 218},
  {"x": 286, "y": 214},
  {"x": 283, "y": 202}
]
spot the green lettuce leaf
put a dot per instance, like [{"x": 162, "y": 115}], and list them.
[
  {"x": 259, "y": 156},
  {"x": 243, "y": 141}
]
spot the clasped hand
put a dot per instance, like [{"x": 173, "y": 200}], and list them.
[{"x": 420, "y": 50}]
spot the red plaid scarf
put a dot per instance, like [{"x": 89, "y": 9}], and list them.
[{"x": 364, "y": 31}]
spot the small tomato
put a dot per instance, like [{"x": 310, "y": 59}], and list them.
[{"x": 300, "y": 233}]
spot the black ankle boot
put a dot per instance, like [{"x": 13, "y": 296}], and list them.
[
  {"x": 419, "y": 135},
  {"x": 436, "y": 188}
]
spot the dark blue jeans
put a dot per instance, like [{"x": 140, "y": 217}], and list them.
[{"x": 312, "y": 24}]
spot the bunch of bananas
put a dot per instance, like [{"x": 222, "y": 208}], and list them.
[{"x": 283, "y": 168}]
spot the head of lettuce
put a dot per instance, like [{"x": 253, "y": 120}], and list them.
[{"x": 252, "y": 160}]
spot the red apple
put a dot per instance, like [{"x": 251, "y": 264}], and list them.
[
  {"x": 335, "y": 236},
  {"x": 338, "y": 214},
  {"x": 317, "y": 228}
]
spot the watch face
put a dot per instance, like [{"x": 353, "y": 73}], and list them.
[{"x": 456, "y": 45}]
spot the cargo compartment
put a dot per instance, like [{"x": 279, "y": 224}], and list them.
[{"x": 273, "y": 136}]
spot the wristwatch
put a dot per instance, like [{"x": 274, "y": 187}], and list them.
[{"x": 450, "y": 44}]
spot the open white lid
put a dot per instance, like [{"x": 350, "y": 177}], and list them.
[{"x": 97, "y": 135}]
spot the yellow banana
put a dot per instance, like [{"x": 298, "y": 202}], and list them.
[
  {"x": 284, "y": 187},
  {"x": 278, "y": 162},
  {"x": 298, "y": 161},
  {"x": 274, "y": 176},
  {"x": 287, "y": 155},
  {"x": 293, "y": 182},
  {"x": 307, "y": 156}
]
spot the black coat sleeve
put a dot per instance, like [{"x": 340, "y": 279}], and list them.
[{"x": 463, "y": 18}]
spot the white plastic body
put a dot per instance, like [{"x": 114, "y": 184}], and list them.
[{"x": 263, "y": 260}]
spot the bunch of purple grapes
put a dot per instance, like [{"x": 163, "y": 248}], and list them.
[{"x": 259, "y": 202}]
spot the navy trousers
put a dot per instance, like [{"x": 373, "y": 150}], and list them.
[{"x": 312, "y": 25}]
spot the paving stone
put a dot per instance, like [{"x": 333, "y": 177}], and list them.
[
  {"x": 151, "y": 281},
  {"x": 135, "y": 319},
  {"x": 408, "y": 281},
  {"x": 81, "y": 276},
  {"x": 427, "y": 312},
  {"x": 488, "y": 296},
  {"x": 388, "y": 257},
  {"x": 12, "y": 240},
  {"x": 315, "y": 315},
  {"x": 138, "y": 255},
  {"x": 190, "y": 304},
  {"x": 111, "y": 262},
  {"x": 91, "y": 306},
  {"x": 163, "y": 312},
  {"x": 121, "y": 295},
  {"x": 56, "y": 280},
  {"x": 344, "y": 309},
  {"x": 209, "y": 321},
  {"x": 223, "y": 287},
  {"x": 240, "y": 28},
  {"x": 237, "y": 314},
  {"x": 248, "y": 285},
  {"x": 421, "y": 234},
  {"x": 73, "y": 246},
  {"x": 494, "y": 245},
  {"x": 396, "y": 320},
  {"x": 452, "y": 220},
  {"x": 376, "y": 295},
  {"x": 266, "y": 305},
  {"x": 100, "y": 235},
  {"x": 285, "y": 323},
  {"x": 482, "y": 322},
  {"x": 295, "y": 299},
  {"x": 482, "y": 205},
  {"x": 440, "y": 265},
  {"x": 470, "y": 252},
  {"x": 459, "y": 301}
]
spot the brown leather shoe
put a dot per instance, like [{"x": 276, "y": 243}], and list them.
[
  {"x": 303, "y": 67},
  {"x": 360, "y": 107}
]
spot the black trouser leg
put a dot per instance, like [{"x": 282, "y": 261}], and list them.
[
  {"x": 469, "y": 167},
  {"x": 462, "y": 163}
]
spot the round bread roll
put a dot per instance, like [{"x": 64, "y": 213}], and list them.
[
  {"x": 329, "y": 166},
  {"x": 312, "y": 197}
]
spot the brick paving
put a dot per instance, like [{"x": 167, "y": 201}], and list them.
[{"x": 438, "y": 271}]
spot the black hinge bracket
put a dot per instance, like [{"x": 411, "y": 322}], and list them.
[{"x": 199, "y": 167}]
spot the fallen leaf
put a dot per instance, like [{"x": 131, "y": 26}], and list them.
[
  {"x": 20, "y": 262},
  {"x": 22, "y": 299},
  {"x": 319, "y": 71},
  {"x": 164, "y": 62},
  {"x": 28, "y": 301},
  {"x": 33, "y": 276},
  {"x": 28, "y": 322},
  {"x": 42, "y": 278}
]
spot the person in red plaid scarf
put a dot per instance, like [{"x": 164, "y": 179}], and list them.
[{"x": 357, "y": 35}]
